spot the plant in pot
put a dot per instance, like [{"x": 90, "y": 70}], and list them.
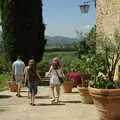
[
  {"x": 104, "y": 89},
  {"x": 67, "y": 85},
  {"x": 85, "y": 74}
]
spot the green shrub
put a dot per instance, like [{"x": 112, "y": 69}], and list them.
[
  {"x": 4, "y": 81},
  {"x": 43, "y": 66}
]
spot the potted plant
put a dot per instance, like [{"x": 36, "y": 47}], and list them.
[
  {"x": 67, "y": 85},
  {"x": 104, "y": 89},
  {"x": 85, "y": 73}
]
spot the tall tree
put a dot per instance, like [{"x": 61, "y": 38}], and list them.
[{"x": 23, "y": 29}]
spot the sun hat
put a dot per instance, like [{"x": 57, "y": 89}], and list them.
[{"x": 55, "y": 60}]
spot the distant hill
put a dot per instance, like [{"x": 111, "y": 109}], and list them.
[
  {"x": 61, "y": 41},
  {"x": 57, "y": 41}
]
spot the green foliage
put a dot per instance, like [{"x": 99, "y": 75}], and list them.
[
  {"x": 100, "y": 81},
  {"x": 23, "y": 29},
  {"x": 43, "y": 66},
  {"x": 109, "y": 51},
  {"x": 4, "y": 81},
  {"x": 87, "y": 43},
  {"x": 4, "y": 66}
]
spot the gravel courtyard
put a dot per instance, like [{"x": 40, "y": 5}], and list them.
[{"x": 70, "y": 107}]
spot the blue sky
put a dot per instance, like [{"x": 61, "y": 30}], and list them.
[{"x": 63, "y": 17}]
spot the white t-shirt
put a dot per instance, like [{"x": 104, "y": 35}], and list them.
[{"x": 18, "y": 67}]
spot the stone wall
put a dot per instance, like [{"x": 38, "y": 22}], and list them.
[
  {"x": 108, "y": 15},
  {"x": 108, "y": 18}
]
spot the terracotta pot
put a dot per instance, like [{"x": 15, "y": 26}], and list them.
[
  {"x": 107, "y": 102},
  {"x": 86, "y": 98},
  {"x": 67, "y": 86},
  {"x": 12, "y": 86}
]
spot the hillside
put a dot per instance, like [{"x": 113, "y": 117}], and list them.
[
  {"x": 61, "y": 42},
  {"x": 58, "y": 42}
]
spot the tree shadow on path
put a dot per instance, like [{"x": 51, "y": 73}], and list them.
[
  {"x": 72, "y": 101},
  {"x": 45, "y": 104},
  {"x": 42, "y": 97},
  {"x": 5, "y": 96}
]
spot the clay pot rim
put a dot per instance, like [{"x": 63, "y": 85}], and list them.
[{"x": 108, "y": 92}]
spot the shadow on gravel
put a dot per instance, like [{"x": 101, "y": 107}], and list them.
[
  {"x": 42, "y": 97},
  {"x": 44, "y": 104},
  {"x": 5, "y": 96},
  {"x": 71, "y": 101},
  {"x": 23, "y": 91},
  {"x": 2, "y": 110},
  {"x": 75, "y": 92}
]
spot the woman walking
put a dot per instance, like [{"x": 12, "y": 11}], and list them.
[
  {"x": 31, "y": 76},
  {"x": 56, "y": 72}
]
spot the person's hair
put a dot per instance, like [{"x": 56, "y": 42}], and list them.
[
  {"x": 56, "y": 65},
  {"x": 32, "y": 64},
  {"x": 19, "y": 57}
]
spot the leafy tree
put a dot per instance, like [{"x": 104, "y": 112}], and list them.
[
  {"x": 87, "y": 43},
  {"x": 23, "y": 29},
  {"x": 91, "y": 40}
]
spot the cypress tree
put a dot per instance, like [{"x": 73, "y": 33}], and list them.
[{"x": 23, "y": 29}]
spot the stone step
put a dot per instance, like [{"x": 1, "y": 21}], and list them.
[
  {"x": 44, "y": 83},
  {"x": 45, "y": 79}
]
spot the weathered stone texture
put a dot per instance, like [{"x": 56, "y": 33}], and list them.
[
  {"x": 108, "y": 15},
  {"x": 108, "y": 18}
]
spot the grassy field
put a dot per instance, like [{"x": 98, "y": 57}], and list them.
[{"x": 3, "y": 81}]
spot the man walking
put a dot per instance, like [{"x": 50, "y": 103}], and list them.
[{"x": 18, "y": 73}]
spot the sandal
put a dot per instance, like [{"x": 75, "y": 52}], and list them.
[
  {"x": 32, "y": 104},
  {"x": 18, "y": 95},
  {"x": 53, "y": 101}
]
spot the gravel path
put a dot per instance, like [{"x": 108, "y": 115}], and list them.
[{"x": 70, "y": 108}]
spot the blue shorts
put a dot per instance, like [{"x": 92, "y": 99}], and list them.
[{"x": 32, "y": 88}]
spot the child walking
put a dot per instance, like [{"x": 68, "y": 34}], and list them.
[{"x": 31, "y": 75}]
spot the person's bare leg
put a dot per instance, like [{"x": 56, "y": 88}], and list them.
[
  {"x": 18, "y": 91},
  {"x": 58, "y": 92},
  {"x": 53, "y": 94},
  {"x": 33, "y": 99}
]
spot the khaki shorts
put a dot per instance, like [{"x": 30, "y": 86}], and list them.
[{"x": 19, "y": 79}]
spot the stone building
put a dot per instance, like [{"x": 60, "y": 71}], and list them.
[{"x": 108, "y": 17}]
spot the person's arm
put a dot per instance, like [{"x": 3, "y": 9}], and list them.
[
  {"x": 26, "y": 75},
  {"x": 61, "y": 67},
  {"x": 38, "y": 74},
  {"x": 49, "y": 70},
  {"x": 13, "y": 70}
]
